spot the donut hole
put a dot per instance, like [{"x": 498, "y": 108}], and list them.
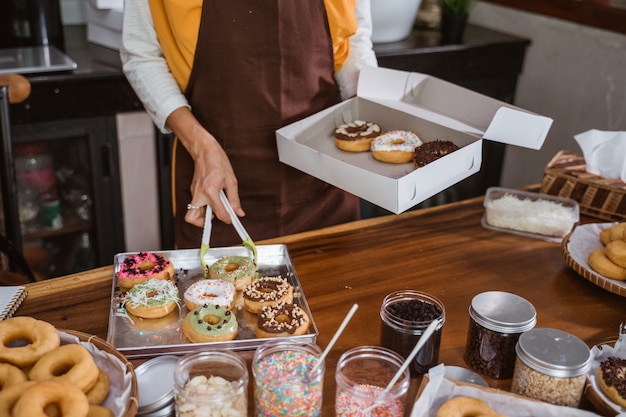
[
  {"x": 231, "y": 266},
  {"x": 61, "y": 368},
  {"x": 211, "y": 319},
  {"x": 397, "y": 141},
  {"x": 18, "y": 341},
  {"x": 266, "y": 290},
  {"x": 145, "y": 265},
  {"x": 209, "y": 295},
  {"x": 283, "y": 318}
]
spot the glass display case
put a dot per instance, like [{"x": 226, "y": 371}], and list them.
[{"x": 67, "y": 194}]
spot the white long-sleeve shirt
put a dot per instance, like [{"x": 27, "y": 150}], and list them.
[{"x": 148, "y": 72}]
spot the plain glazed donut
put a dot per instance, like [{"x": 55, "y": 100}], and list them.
[
  {"x": 431, "y": 151},
  {"x": 356, "y": 136},
  {"x": 612, "y": 379},
  {"x": 395, "y": 146},
  {"x": 71, "y": 362},
  {"x": 143, "y": 266},
  {"x": 99, "y": 392},
  {"x": 99, "y": 411},
  {"x": 599, "y": 262},
  {"x": 236, "y": 269},
  {"x": 616, "y": 252},
  {"x": 266, "y": 291},
  {"x": 40, "y": 336},
  {"x": 466, "y": 407},
  {"x": 152, "y": 299},
  {"x": 210, "y": 323},
  {"x": 70, "y": 400},
  {"x": 210, "y": 291},
  {"x": 10, "y": 375},
  {"x": 10, "y": 395},
  {"x": 282, "y": 319}
]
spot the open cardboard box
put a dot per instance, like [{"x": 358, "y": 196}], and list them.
[{"x": 432, "y": 108}]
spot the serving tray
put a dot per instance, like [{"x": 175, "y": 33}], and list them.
[
  {"x": 577, "y": 246},
  {"x": 145, "y": 338}
]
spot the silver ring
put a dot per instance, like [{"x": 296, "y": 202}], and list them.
[{"x": 192, "y": 207}]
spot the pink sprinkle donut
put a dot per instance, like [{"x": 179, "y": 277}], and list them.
[
  {"x": 395, "y": 146},
  {"x": 210, "y": 292},
  {"x": 143, "y": 266}
]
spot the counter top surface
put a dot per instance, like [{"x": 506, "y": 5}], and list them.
[{"x": 442, "y": 251}]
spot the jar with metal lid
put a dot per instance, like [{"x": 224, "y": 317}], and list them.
[
  {"x": 551, "y": 366},
  {"x": 497, "y": 319}
]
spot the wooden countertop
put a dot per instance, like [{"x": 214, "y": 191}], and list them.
[{"x": 442, "y": 251}]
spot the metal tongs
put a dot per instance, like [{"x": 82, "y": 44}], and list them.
[{"x": 206, "y": 234}]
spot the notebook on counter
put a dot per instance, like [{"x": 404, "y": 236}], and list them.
[{"x": 10, "y": 299}]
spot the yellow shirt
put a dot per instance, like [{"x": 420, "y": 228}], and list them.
[{"x": 177, "y": 22}]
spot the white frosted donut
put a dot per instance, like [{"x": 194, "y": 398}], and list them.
[
  {"x": 395, "y": 146},
  {"x": 210, "y": 292}
]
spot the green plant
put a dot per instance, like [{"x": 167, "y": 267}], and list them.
[{"x": 455, "y": 6}]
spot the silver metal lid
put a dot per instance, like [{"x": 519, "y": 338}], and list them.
[
  {"x": 554, "y": 352},
  {"x": 503, "y": 312},
  {"x": 156, "y": 384}
]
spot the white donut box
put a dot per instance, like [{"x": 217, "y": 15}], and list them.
[{"x": 399, "y": 100}]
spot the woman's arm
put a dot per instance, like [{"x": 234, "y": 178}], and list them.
[{"x": 361, "y": 52}]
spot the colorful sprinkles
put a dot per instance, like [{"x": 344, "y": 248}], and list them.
[
  {"x": 284, "y": 386},
  {"x": 354, "y": 402}
]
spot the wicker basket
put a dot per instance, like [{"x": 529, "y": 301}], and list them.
[
  {"x": 566, "y": 176},
  {"x": 133, "y": 404}
]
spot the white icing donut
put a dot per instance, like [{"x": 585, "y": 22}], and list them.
[
  {"x": 395, "y": 146},
  {"x": 210, "y": 292}
]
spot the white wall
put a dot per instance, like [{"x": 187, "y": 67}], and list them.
[{"x": 572, "y": 73}]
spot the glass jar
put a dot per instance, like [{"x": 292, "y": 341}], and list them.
[
  {"x": 285, "y": 383},
  {"x": 362, "y": 376},
  {"x": 34, "y": 166},
  {"x": 551, "y": 366},
  {"x": 405, "y": 315},
  {"x": 497, "y": 319},
  {"x": 212, "y": 383}
]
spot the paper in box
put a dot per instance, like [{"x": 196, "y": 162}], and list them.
[{"x": 432, "y": 108}]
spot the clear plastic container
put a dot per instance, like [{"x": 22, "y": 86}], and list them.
[
  {"x": 362, "y": 376},
  {"x": 551, "y": 366},
  {"x": 497, "y": 319},
  {"x": 405, "y": 315},
  {"x": 529, "y": 214},
  {"x": 212, "y": 383},
  {"x": 284, "y": 381}
]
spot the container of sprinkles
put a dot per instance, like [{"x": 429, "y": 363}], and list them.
[
  {"x": 362, "y": 376},
  {"x": 283, "y": 382},
  {"x": 405, "y": 315}
]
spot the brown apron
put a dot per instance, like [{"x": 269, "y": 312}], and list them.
[{"x": 260, "y": 65}]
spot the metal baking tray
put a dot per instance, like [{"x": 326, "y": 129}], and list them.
[{"x": 145, "y": 338}]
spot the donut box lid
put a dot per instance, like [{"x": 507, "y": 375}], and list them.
[{"x": 400, "y": 100}]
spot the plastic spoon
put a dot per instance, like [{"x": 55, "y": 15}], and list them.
[
  {"x": 420, "y": 343},
  {"x": 335, "y": 337}
]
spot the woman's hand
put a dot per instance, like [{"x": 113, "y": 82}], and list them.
[{"x": 213, "y": 171}]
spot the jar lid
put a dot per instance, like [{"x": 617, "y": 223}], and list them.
[
  {"x": 503, "y": 312},
  {"x": 156, "y": 384},
  {"x": 554, "y": 352}
]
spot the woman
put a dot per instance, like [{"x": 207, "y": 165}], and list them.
[{"x": 223, "y": 76}]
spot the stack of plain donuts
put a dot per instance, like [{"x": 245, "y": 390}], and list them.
[
  {"x": 45, "y": 378},
  {"x": 610, "y": 260}
]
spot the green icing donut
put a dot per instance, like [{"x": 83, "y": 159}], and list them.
[
  {"x": 213, "y": 322},
  {"x": 236, "y": 269}
]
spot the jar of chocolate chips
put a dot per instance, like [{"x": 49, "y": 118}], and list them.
[
  {"x": 405, "y": 316},
  {"x": 497, "y": 319}
]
